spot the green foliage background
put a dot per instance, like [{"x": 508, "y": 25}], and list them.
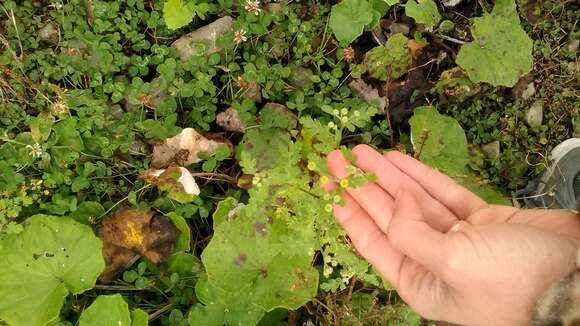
[{"x": 86, "y": 88}]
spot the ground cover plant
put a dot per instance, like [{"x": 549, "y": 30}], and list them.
[{"x": 161, "y": 161}]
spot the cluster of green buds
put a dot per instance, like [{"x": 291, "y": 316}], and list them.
[{"x": 257, "y": 180}]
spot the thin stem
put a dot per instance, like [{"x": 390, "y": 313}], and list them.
[
  {"x": 450, "y": 39},
  {"x": 161, "y": 311}
]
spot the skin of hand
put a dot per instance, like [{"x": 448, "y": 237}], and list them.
[{"x": 449, "y": 254}]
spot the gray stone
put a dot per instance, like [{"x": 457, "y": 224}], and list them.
[
  {"x": 491, "y": 150},
  {"x": 300, "y": 78},
  {"x": 574, "y": 67},
  {"x": 49, "y": 33},
  {"x": 535, "y": 114},
  {"x": 529, "y": 92},
  {"x": 203, "y": 39},
  {"x": 572, "y": 46},
  {"x": 399, "y": 28}
]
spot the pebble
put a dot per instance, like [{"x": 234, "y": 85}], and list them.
[
  {"x": 535, "y": 114},
  {"x": 491, "y": 150},
  {"x": 209, "y": 35}
]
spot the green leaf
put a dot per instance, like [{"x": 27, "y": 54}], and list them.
[
  {"x": 79, "y": 184},
  {"x": 251, "y": 248},
  {"x": 52, "y": 257},
  {"x": 139, "y": 318},
  {"x": 177, "y": 14},
  {"x": 182, "y": 243},
  {"x": 219, "y": 307},
  {"x": 87, "y": 210},
  {"x": 106, "y": 310},
  {"x": 41, "y": 127},
  {"x": 265, "y": 145},
  {"x": 390, "y": 61},
  {"x": 440, "y": 139},
  {"x": 349, "y": 18},
  {"x": 184, "y": 264},
  {"x": 501, "y": 51},
  {"x": 423, "y": 12},
  {"x": 442, "y": 144}
]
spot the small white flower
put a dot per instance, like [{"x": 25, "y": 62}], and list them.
[
  {"x": 253, "y": 6},
  {"x": 240, "y": 36},
  {"x": 59, "y": 108},
  {"x": 356, "y": 113},
  {"x": 35, "y": 150},
  {"x": 344, "y": 111},
  {"x": 55, "y": 5},
  {"x": 335, "y": 112}
]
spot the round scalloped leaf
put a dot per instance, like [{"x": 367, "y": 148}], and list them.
[
  {"x": 52, "y": 257},
  {"x": 107, "y": 310},
  {"x": 251, "y": 248},
  {"x": 349, "y": 18},
  {"x": 501, "y": 51},
  {"x": 219, "y": 307},
  {"x": 442, "y": 144},
  {"x": 423, "y": 12},
  {"x": 439, "y": 138}
]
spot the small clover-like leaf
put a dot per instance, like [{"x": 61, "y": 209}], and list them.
[
  {"x": 501, "y": 51},
  {"x": 349, "y": 18},
  {"x": 50, "y": 258},
  {"x": 423, "y": 12}
]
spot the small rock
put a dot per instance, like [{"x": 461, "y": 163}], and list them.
[
  {"x": 451, "y": 3},
  {"x": 253, "y": 91},
  {"x": 572, "y": 46},
  {"x": 116, "y": 111},
  {"x": 300, "y": 78},
  {"x": 522, "y": 88},
  {"x": 209, "y": 34},
  {"x": 230, "y": 120},
  {"x": 49, "y": 33},
  {"x": 535, "y": 114},
  {"x": 574, "y": 67},
  {"x": 491, "y": 150},
  {"x": 368, "y": 93},
  {"x": 399, "y": 28},
  {"x": 529, "y": 91},
  {"x": 273, "y": 8}
]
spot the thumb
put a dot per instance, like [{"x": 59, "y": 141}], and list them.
[{"x": 410, "y": 233}]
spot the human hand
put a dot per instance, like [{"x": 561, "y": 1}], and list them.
[{"x": 450, "y": 255}]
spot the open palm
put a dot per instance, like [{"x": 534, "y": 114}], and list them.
[{"x": 449, "y": 254}]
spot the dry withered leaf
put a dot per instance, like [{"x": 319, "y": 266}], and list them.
[
  {"x": 368, "y": 93},
  {"x": 132, "y": 233},
  {"x": 175, "y": 180},
  {"x": 182, "y": 149},
  {"x": 415, "y": 48},
  {"x": 230, "y": 120}
]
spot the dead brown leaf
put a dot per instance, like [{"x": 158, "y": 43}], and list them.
[
  {"x": 415, "y": 48},
  {"x": 182, "y": 149},
  {"x": 132, "y": 233}
]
